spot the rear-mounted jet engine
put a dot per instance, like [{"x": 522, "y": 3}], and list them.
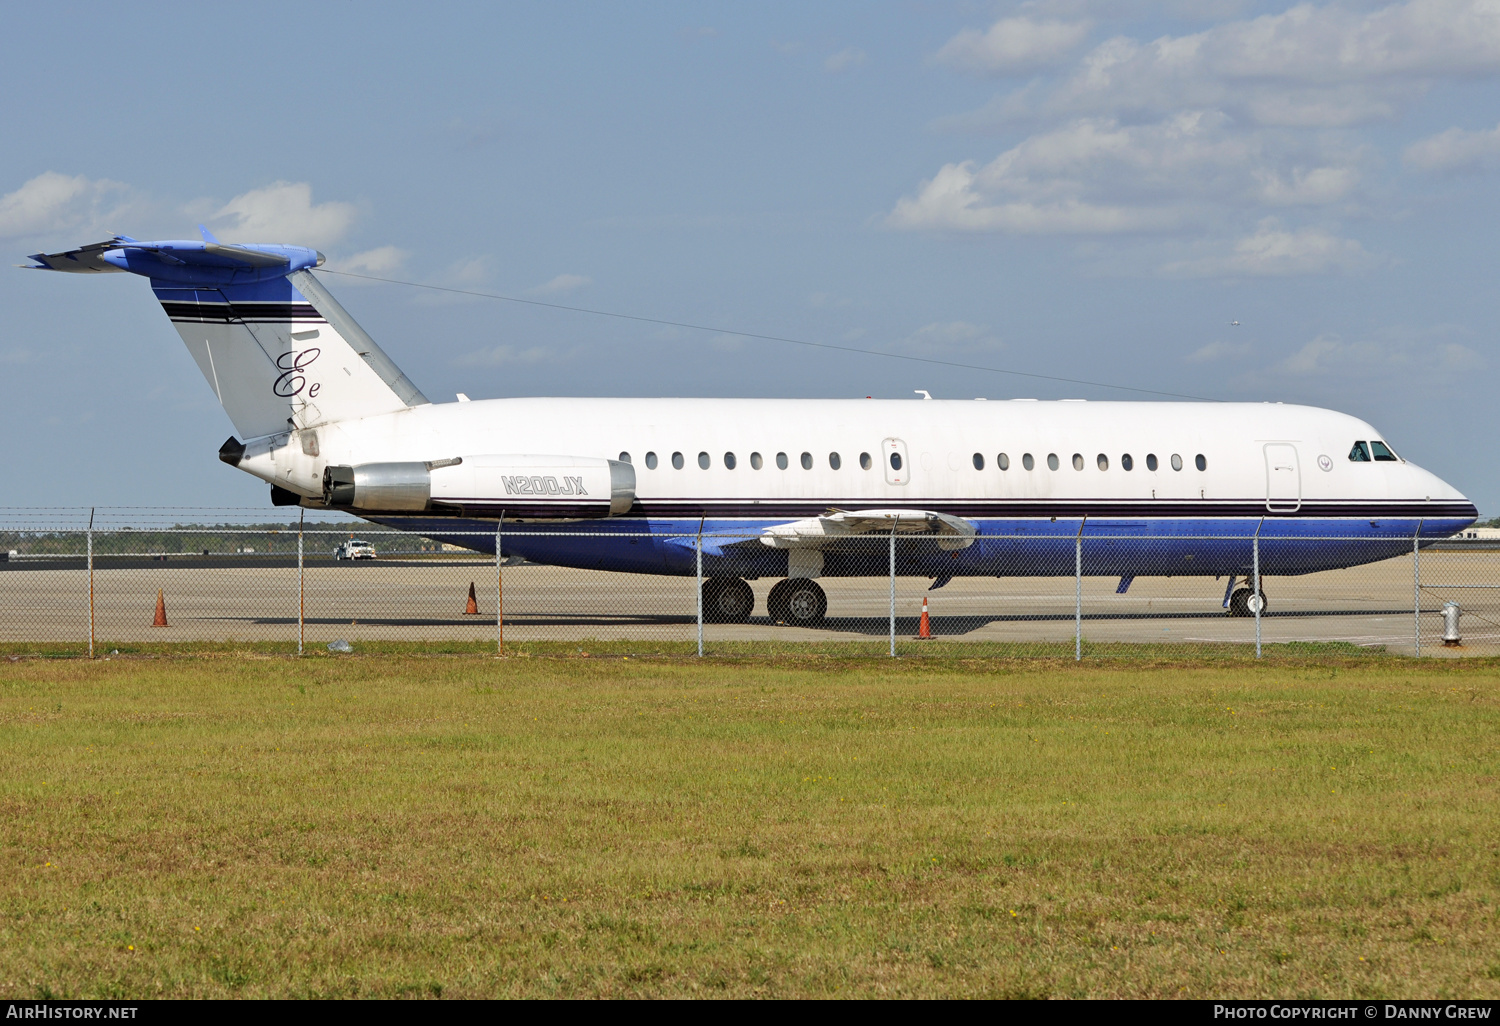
[{"x": 522, "y": 486}]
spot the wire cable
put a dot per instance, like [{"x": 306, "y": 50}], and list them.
[{"x": 767, "y": 338}]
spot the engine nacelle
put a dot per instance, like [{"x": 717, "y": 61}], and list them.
[{"x": 563, "y": 487}]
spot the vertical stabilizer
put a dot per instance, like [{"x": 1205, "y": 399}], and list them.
[{"x": 279, "y": 352}]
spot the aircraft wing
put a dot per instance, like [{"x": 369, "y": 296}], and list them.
[{"x": 952, "y": 532}]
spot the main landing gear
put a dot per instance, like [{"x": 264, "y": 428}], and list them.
[
  {"x": 797, "y": 601},
  {"x": 727, "y": 600}
]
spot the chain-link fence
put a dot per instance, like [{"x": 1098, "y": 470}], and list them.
[{"x": 105, "y": 578}]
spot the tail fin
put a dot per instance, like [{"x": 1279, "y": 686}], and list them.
[{"x": 277, "y": 349}]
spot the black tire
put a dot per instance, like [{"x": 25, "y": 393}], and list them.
[
  {"x": 798, "y": 601},
  {"x": 1239, "y": 603},
  {"x": 727, "y": 600}
]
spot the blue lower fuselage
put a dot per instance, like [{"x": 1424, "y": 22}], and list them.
[{"x": 1016, "y": 547}]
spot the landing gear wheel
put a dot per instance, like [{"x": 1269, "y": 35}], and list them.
[
  {"x": 1243, "y": 603},
  {"x": 727, "y": 600},
  {"x": 798, "y": 601}
]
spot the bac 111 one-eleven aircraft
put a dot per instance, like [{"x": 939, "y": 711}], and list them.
[{"x": 789, "y": 488}]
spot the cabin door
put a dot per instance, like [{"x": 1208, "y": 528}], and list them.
[
  {"x": 1283, "y": 478},
  {"x": 897, "y": 465}
]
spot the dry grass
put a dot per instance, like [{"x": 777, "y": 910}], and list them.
[{"x": 460, "y": 826}]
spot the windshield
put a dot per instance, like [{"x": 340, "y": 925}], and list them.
[{"x": 1383, "y": 453}]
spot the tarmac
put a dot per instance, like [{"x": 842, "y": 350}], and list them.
[{"x": 240, "y": 598}]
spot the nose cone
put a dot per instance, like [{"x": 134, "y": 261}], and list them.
[{"x": 1433, "y": 487}]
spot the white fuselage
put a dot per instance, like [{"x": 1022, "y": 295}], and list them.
[{"x": 951, "y": 455}]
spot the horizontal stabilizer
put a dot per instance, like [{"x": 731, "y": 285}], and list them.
[
  {"x": 188, "y": 262},
  {"x": 82, "y": 259}
]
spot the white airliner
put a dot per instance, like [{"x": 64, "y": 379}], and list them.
[{"x": 795, "y": 489}]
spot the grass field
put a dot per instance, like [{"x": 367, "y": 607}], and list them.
[{"x": 384, "y": 825}]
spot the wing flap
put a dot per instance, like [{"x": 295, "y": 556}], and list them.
[{"x": 952, "y": 533}]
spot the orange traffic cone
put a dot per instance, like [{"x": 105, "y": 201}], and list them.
[
  {"x": 924, "y": 630},
  {"x": 161, "y": 610},
  {"x": 472, "y": 609}
]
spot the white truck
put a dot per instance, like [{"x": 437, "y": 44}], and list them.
[{"x": 355, "y": 548}]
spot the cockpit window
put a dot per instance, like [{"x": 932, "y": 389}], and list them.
[
  {"x": 1360, "y": 453},
  {"x": 1382, "y": 453}
]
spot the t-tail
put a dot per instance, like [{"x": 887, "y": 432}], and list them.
[{"x": 279, "y": 352}]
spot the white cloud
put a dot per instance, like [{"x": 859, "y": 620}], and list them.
[
  {"x": 1455, "y": 150},
  {"x": 1409, "y": 354},
  {"x": 950, "y": 201},
  {"x": 52, "y": 203},
  {"x": 284, "y": 212},
  {"x": 473, "y": 270},
  {"x": 380, "y": 261},
  {"x": 1275, "y": 251},
  {"x": 950, "y": 338},
  {"x": 1310, "y": 65},
  {"x": 1012, "y": 45},
  {"x": 1219, "y": 350},
  {"x": 1099, "y": 176},
  {"x": 1305, "y": 186},
  {"x": 849, "y": 57},
  {"x": 562, "y": 285}
]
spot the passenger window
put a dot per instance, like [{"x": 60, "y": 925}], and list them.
[
  {"x": 1102, "y": 461},
  {"x": 807, "y": 461},
  {"x": 1078, "y": 461},
  {"x": 1052, "y": 463},
  {"x": 834, "y": 461},
  {"x": 1360, "y": 453},
  {"x": 650, "y": 461},
  {"x": 1126, "y": 462},
  {"x": 1028, "y": 462},
  {"x": 1383, "y": 454},
  {"x": 1176, "y": 462},
  {"x": 1200, "y": 461},
  {"x": 703, "y": 461},
  {"x": 677, "y": 461},
  {"x": 756, "y": 462},
  {"x": 1151, "y": 461},
  {"x": 624, "y": 457},
  {"x": 729, "y": 461},
  {"x": 978, "y": 461},
  {"x": 1002, "y": 461},
  {"x": 895, "y": 461},
  {"x": 781, "y": 461},
  {"x": 865, "y": 463}
]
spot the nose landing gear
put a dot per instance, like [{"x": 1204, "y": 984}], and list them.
[{"x": 1244, "y": 602}]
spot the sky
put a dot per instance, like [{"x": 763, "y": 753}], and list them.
[{"x": 1095, "y": 191}]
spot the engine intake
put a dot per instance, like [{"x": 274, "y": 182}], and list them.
[{"x": 562, "y": 487}]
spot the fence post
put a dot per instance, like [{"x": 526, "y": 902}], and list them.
[
  {"x": 699, "y": 550},
  {"x": 499, "y": 588},
  {"x": 91, "y": 581},
  {"x": 1416, "y": 588},
  {"x": 893, "y": 590},
  {"x": 1255, "y": 584},
  {"x": 1078, "y": 593},
  {"x": 301, "y": 584}
]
